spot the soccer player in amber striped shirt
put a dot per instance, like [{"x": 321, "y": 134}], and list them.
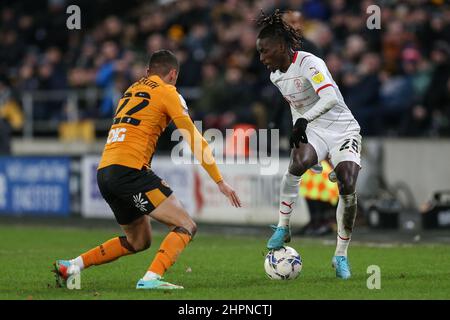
[{"x": 133, "y": 191}]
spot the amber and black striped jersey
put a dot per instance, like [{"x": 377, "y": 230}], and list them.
[{"x": 142, "y": 114}]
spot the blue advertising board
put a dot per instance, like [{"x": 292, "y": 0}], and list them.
[{"x": 34, "y": 186}]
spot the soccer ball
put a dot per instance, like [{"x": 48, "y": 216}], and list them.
[{"x": 283, "y": 264}]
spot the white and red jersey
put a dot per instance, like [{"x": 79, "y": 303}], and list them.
[{"x": 301, "y": 84}]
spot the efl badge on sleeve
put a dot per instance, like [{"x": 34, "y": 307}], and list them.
[{"x": 317, "y": 76}]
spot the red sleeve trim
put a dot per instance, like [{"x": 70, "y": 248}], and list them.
[{"x": 323, "y": 87}]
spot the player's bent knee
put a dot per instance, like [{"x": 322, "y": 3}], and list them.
[
  {"x": 124, "y": 242},
  {"x": 190, "y": 230},
  {"x": 187, "y": 224},
  {"x": 297, "y": 169},
  {"x": 347, "y": 184},
  {"x": 301, "y": 161},
  {"x": 146, "y": 244},
  {"x": 140, "y": 244},
  {"x": 143, "y": 245},
  {"x": 347, "y": 174}
]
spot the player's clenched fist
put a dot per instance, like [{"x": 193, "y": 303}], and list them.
[{"x": 299, "y": 133}]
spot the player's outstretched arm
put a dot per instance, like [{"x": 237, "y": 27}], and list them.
[
  {"x": 327, "y": 99},
  {"x": 177, "y": 110},
  {"x": 229, "y": 193},
  {"x": 203, "y": 153}
]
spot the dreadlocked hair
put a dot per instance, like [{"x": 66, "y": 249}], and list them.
[{"x": 274, "y": 26}]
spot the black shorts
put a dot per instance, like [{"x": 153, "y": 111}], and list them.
[{"x": 131, "y": 193}]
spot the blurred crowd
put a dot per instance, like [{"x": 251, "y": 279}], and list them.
[{"x": 394, "y": 79}]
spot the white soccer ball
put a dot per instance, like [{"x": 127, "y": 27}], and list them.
[{"x": 283, "y": 264}]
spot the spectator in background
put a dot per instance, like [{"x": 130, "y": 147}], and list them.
[
  {"x": 11, "y": 117},
  {"x": 431, "y": 112},
  {"x": 130, "y": 32},
  {"x": 355, "y": 47},
  {"x": 26, "y": 78},
  {"x": 111, "y": 68},
  {"x": 113, "y": 29},
  {"x": 361, "y": 86},
  {"x": 437, "y": 97},
  {"x": 198, "y": 41},
  {"x": 86, "y": 59},
  {"x": 295, "y": 19},
  {"x": 11, "y": 48},
  {"x": 393, "y": 41},
  {"x": 154, "y": 43},
  {"x": 53, "y": 57},
  {"x": 230, "y": 104},
  {"x": 315, "y": 10},
  {"x": 335, "y": 65},
  {"x": 438, "y": 29},
  {"x": 418, "y": 69},
  {"x": 396, "y": 100},
  {"x": 190, "y": 68},
  {"x": 49, "y": 79},
  {"x": 212, "y": 89},
  {"x": 419, "y": 72}
]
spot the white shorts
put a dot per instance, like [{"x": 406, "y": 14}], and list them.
[{"x": 335, "y": 146}]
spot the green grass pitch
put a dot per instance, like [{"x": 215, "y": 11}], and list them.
[{"x": 217, "y": 267}]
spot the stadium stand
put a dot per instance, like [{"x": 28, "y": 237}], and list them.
[{"x": 395, "y": 80}]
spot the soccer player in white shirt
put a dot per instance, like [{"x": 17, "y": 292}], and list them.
[{"x": 323, "y": 128}]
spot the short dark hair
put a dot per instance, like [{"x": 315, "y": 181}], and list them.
[
  {"x": 162, "y": 61},
  {"x": 275, "y": 27}
]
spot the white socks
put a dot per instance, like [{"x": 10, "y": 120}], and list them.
[
  {"x": 151, "y": 276},
  {"x": 289, "y": 190},
  {"x": 345, "y": 217},
  {"x": 78, "y": 261}
]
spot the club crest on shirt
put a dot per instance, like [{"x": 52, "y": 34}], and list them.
[{"x": 317, "y": 76}]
